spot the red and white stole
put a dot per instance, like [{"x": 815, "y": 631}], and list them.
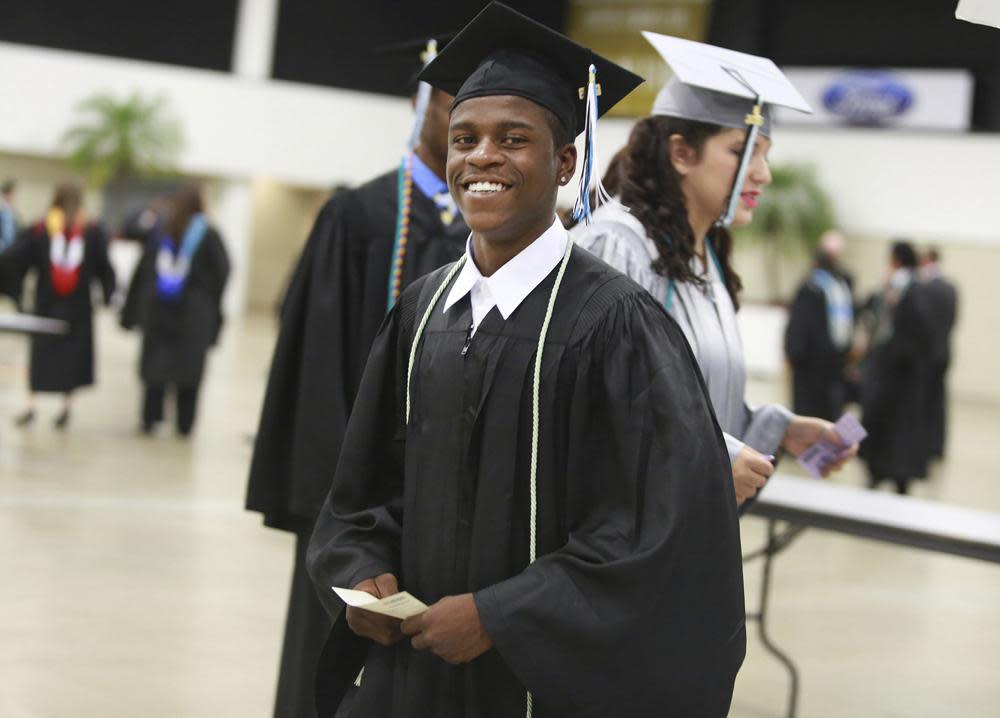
[{"x": 65, "y": 253}]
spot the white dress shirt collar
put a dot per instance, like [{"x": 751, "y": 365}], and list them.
[{"x": 515, "y": 280}]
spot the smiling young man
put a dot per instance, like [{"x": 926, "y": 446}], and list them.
[{"x": 532, "y": 452}]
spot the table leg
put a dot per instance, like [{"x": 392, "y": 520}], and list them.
[{"x": 775, "y": 543}]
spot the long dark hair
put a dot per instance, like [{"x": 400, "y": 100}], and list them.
[
  {"x": 651, "y": 189},
  {"x": 184, "y": 204}
]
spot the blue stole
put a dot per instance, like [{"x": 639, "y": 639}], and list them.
[
  {"x": 434, "y": 188},
  {"x": 839, "y": 312},
  {"x": 172, "y": 263}
]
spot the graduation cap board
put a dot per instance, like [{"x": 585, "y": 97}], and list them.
[
  {"x": 724, "y": 87},
  {"x": 422, "y": 51},
  {"x": 981, "y": 12},
  {"x": 502, "y": 52}
]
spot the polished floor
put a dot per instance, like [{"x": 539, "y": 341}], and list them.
[{"x": 135, "y": 585}]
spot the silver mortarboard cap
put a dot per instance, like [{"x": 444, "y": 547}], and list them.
[
  {"x": 715, "y": 108},
  {"x": 723, "y": 87}
]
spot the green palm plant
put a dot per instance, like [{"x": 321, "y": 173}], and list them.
[
  {"x": 794, "y": 211},
  {"x": 117, "y": 140}
]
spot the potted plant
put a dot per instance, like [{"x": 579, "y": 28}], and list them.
[
  {"x": 127, "y": 147},
  {"x": 793, "y": 212}
]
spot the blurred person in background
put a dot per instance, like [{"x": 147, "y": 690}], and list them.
[
  {"x": 67, "y": 253},
  {"x": 175, "y": 297},
  {"x": 820, "y": 331},
  {"x": 8, "y": 215},
  {"x": 10, "y": 285},
  {"x": 676, "y": 175},
  {"x": 941, "y": 304},
  {"x": 894, "y": 375},
  {"x": 367, "y": 245}
]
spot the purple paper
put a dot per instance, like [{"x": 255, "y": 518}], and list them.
[{"x": 821, "y": 454}]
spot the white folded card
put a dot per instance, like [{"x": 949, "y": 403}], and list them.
[{"x": 398, "y": 605}]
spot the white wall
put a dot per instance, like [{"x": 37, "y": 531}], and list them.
[
  {"x": 927, "y": 186},
  {"x": 234, "y": 127}
]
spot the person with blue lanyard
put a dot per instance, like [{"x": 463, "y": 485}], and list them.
[
  {"x": 175, "y": 297},
  {"x": 366, "y": 246},
  {"x": 820, "y": 333},
  {"x": 695, "y": 167}
]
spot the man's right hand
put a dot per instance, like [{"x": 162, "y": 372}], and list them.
[
  {"x": 367, "y": 624},
  {"x": 750, "y": 472}
]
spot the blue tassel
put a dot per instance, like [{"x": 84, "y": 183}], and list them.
[{"x": 590, "y": 179}]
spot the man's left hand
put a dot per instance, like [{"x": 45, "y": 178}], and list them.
[{"x": 451, "y": 629}]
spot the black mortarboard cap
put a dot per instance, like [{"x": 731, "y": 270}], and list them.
[
  {"x": 414, "y": 52},
  {"x": 502, "y": 52}
]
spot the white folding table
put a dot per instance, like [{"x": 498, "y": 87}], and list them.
[{"x": 903, "y": 520}]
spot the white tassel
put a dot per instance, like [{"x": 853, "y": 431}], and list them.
[{"x": 423, "y": 98}]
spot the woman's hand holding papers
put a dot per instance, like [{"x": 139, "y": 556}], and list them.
[{"x": 804, "y": 431}]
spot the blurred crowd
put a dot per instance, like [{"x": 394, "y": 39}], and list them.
[
  {"x": 51, "y": 265},
  {"x": 889, "y": 352}
]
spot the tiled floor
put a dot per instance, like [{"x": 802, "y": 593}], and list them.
[{"x": 135, "y": 585}]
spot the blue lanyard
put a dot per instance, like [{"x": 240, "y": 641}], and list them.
[{"x": 671, "y": 289}]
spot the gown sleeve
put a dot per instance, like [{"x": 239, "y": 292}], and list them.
[
  {"x": 766, "y": 426},
  {"x": 15, "y": 262},
  {"x": 219, "y": 268},
  {"x": 647, "y": 591},
  {"x": 312, "y": 379},
  {"x": 104, "y": 271},
  {"x": 133, "y": 309},
  {"x": 359, "y": 529},
  {"x": 802, "y": 324}
]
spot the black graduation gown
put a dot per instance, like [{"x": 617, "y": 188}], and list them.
[
  {"x": 941, "y": 302},
  {"x": 334, "y": 305},
  {"x": 819, "y": 387},
  {"x": 635, "y": 604},
  {"x": 176, "y": 335},
  {"x": 894, "y": 384},
  {"x": 61, "y": 363}
]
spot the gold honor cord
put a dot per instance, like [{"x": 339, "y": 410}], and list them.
[
  {"x": 535, "y": 414},
  {"x": 535, "y": 393}
]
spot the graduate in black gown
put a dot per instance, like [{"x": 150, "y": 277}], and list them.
[
  {"x": 549, "y": 478},
  {"x": 366, "y": 246},
  {"x": 941, "y": 303},
  {"x": 894, "y": 377},
  {"x": 68, "y": 254},
  {"x": 820, "y": 333},
  {"x": 175, "y": 297}
]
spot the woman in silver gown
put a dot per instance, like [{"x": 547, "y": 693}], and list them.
[{"x": 676, "y": 174}]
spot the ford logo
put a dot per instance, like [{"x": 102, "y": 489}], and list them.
[{"x": 867, "y": 97}]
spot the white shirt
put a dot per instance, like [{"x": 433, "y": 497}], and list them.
[{"x": 515, "y": 280}]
